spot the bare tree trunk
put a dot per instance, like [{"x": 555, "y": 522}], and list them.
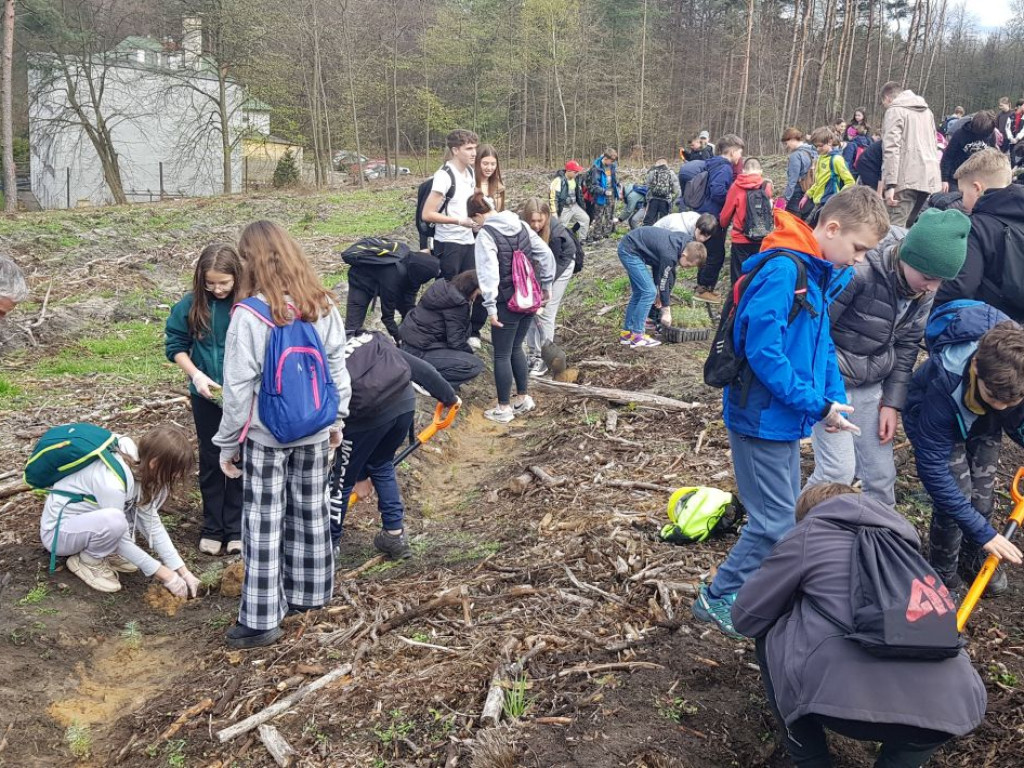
[
  {"x": 394, "y": 93},
  {"x": 643, "y": 82},
  {"x": 791, "y": 80},
  {"x": 941, "y": 38},
  {"x": 352, "y": 99},
  {"x": 10, "y": 175},
  {"x": 863, "y": 98},
  {"x": 225, "y": 128},
  {"x": 745, "y": 77},
  {"x": 558, "y": 86}
]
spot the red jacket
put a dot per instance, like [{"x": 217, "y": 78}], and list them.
[{"x": 735, "y": 210}]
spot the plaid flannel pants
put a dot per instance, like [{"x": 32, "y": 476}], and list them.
[{"x": 286, "y": 537}]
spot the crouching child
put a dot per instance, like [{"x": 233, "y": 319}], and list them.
[
  {"x": 790, "y": 379},
  {"x": 955, "y": 406},
  {"x": 815, "y": 677}
]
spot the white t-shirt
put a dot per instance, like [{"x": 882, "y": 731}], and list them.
[
  {"x": 465, "y": 186},
  {"x": 685, "y": 222}
]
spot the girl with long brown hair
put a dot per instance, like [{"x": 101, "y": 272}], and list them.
[
  {"x": 98, "y": 538},
  {"x": 286, "y": 541},
  {"x": 194, "y": 339},
  {"x": 488, "y": 177}
]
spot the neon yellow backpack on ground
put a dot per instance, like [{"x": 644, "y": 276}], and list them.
[{"x": 697, "y": 512}]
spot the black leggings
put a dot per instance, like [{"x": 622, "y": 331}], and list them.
[
  {"x": 903, "y": 746},
  {"x": 509, "y": 358}
]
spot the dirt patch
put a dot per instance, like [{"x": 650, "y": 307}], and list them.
[{"x": 162, "y": 601}]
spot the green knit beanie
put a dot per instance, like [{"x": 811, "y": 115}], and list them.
[{"x": 936, "y": 245}]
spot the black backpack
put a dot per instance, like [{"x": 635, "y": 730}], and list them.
[
  {"x": 374, "y": 252},
  {"x": 696, "y": 190},
  {"x": 901, "y": 608},
  {"x": 725, "y": 363},
  {"x": 426, "y": 228},
  {"x": 378, "y": 371},
  {"x": 760, "y": 219},
  {"x": 1011, "y": 276}
]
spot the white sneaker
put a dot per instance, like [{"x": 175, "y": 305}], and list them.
[
  {"x": 94, "y": 572},
  {"x": 500, "y": 415},
  {"x": 538, "y": 368},
  {"x": 474, "y": 342},
  {"x": 209, "y": 546},
  {"x": 234, "y": 547},
  {"x": 119, "y": 564},
  {"x": 524, "y": 406}
]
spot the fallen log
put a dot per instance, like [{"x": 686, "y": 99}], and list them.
[
  {"x": 615, "y": 395},
  {"x": 548, "y": 479},
  {"x": 184, "y": 717},
  {"x": 278, "y": 747},
  {"x": 638, "y": 485}
]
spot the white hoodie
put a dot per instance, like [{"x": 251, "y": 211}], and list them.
[{"x": 486, "y": 253}]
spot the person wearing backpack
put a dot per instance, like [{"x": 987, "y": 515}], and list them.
[
  {"x": 567, "y": 203},
  {"x": 696, "y": 226},
  {"x": 385, "y": 269},
  {"x": 445, "y": 209},
  {"x": 856, "y": 147},
  {"x": 877, "y": 327},
  {"x": 381, "y": 412},
  {"x": 437, "y": 329},
  {"x": 799, "y": 170},
  {"x": 650, "y": 256},
  {"x": 868, "y": 167},
  {"x": 91, "y": 516},
  {"x": 974, "y": 374},
  {"x": 603, "y": 188},
  {"x": 718, "y": 176},
  {"x": 515, "y": 268},
  {"x": 976, "y": 134},
  {"x": 788, "y": 377},
  {"x": 993, "y": 271},
  {"x": 281, "y": 421},
  {"x": 662, "y": 191},
  {"x": 748, "y": 209},
  {"x": 697, "y": 147},
  {"x": 817, "y": 679},
  {"x": 830, "y": 172},
  {"x": 194, "y": 338}
]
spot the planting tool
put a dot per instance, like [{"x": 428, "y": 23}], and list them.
[
  {"x": 991, "y": 562},
  {"x": 440, "y": 421}
]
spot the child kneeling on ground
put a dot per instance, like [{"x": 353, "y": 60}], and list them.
[
  {"x": 816, "y": 678},
  {"x": 98, "y": 538},
  {"x": 650, "y": 256}
]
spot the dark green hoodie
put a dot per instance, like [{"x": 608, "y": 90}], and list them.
[{"x": 206, "y": 353}]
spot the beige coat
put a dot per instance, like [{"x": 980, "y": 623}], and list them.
[{"x": 910, "y": 154}]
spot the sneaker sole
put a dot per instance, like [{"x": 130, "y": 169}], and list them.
[
  {"x": 76, "y": 567},
  {"x": 500, "y": 421}
]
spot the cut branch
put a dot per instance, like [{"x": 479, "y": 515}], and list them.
[{"x": 616, "y": 395}]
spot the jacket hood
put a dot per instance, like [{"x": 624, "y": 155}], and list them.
[
  {"x": 597, "y": 164},
  {"x": 507, "y": 223},
  {"x": 790, "y": 233},
  {"x": 750, "y": 180},
  {"x": 442, "y": 295},
  {"x": 861, "y": 509},
  {"x": 1006, "y": 203},
  {"x": 960, "y": 322},
  {"x": 910, "y": 100},
  {"x": 422, "y": 267},
  {"x": 716, "y": 161}
]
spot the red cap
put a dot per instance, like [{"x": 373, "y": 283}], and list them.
[{"x": 572, "y": 165}]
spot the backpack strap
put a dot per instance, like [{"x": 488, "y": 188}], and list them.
[
  {"x": 258, "y": 307},
  {"x": 450, "y": 193}
]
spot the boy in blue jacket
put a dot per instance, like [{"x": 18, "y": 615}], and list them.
[
  {"x": 958, "y": 403},
  {"x": 721, "y": 171},
  {"x": 792, "y": 379}
]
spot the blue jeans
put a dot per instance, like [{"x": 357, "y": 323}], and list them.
[
  {"x": 642, "y": 291},
  {"x": 768, "y": 480},
  {"x": 370, "y": 454}
]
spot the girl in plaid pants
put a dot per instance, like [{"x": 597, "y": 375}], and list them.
[{"x": 286, "y": 540}]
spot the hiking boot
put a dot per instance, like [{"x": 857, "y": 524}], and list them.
[
  {"x": 968, "y": 571},
  {"x": 242, "y": 637},
  {"x": 394, "y": 546},
  {"x": 474, "y": 343},
  {"x": 538, "y": 368},
  {"x": 209, "y": 546},
  {"x": 707, "y": 295},
  {"x": 119, "y": 564},
  {"x": 523, "y": 406},
  {"x": 500, "y": 414},
  {"x": 234, "y": 547},
  {"x": 95, "y": 572},
  {"x": 716, "y": 610},
  {"x": 642, "y": 340}
]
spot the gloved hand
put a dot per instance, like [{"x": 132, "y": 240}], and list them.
[
  {"x": 177, "y": 586},
  {"x": 191, "y": 581},
  {"x": 127, "y": 447},
  {"x": 229, "y": 468},
  {"x": 836, "y": 421},
  {"x": 203, "y": 384}
]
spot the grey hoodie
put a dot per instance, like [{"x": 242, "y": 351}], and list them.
[
  {"x": 244, "y": 349},
  {"x": 814, "y": 669},
  {"x": 508, "y": 223}
]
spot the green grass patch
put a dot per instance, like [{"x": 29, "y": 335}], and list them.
[
  {"x": 611, "y": 291},
  {"x": 477, "y": 552},
  {"x": 362, "y": 213},
  {"x": 133, "y": 350},
  {"x": 36, "y": 595}
]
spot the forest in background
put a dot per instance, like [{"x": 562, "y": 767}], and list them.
[{"x": 544, "y": 80}]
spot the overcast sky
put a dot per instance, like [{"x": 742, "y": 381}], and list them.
[{"x": 990, "y": 13}]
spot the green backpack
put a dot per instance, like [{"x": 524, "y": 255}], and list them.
[
  {"x": 64, "y": 450},
  {"x": 700, "y": 512}
]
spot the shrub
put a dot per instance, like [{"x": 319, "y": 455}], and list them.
[{"x": 286, "y": 174}]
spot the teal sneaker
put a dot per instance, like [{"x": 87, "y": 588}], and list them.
[{"x": 717, "y": 610}]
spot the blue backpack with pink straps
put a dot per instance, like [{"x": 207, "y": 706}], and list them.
[{"x": 297, "y": 395}]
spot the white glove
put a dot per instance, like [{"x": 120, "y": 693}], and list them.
[
  {"x": 191, "y": 582},
  {"x": 203, "y": 383},
  {"x": 836, "y": 421},
  {"x": 177, "y": 586},
  {"x": 127, "y": 447}
]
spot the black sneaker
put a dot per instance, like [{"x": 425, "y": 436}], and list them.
[
  {"x": 241, "y": 636},
  {"x": 395, "y": 547}
]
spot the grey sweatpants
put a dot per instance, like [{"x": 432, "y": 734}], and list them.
[
  {"x": 543, "y": 328},
  {"x": 98, "y": 533},
  {"x": 572, "y": 215},
  {"x": 839, "y": 457}
]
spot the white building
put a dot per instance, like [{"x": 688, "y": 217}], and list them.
[{"x": 162, "y": 106}]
